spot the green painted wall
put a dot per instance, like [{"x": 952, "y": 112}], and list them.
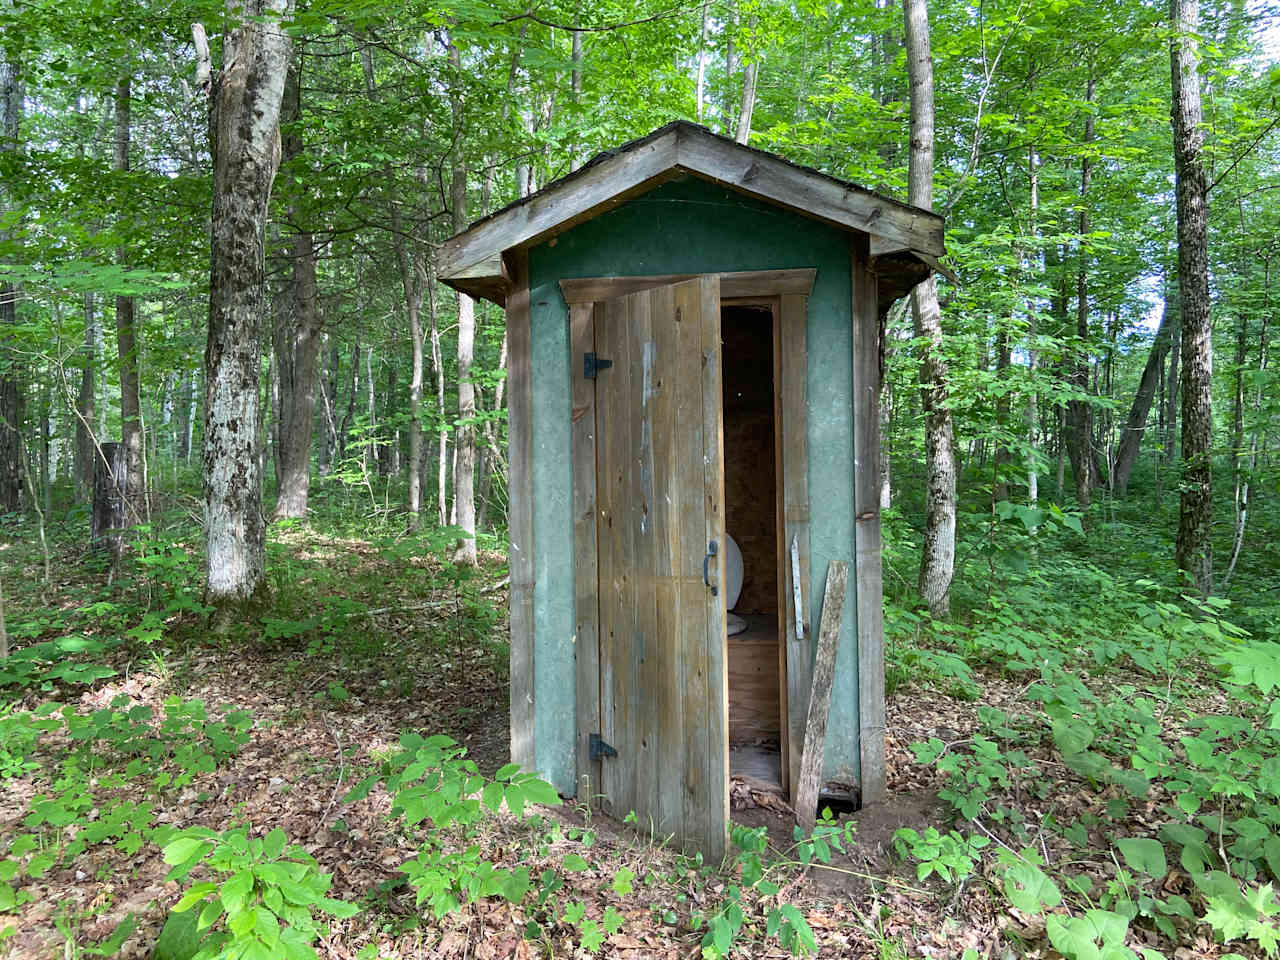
[{"x": 688, "y": 226}]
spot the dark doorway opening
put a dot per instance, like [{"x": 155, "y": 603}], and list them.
[{"x": 751, "y": 520}]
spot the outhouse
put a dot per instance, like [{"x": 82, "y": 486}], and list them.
[{"x": 694, "y": 361}]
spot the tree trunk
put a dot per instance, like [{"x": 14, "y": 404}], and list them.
[
  {"x": 372, "y": 443},
  {"x": 389, "y": 454},
  {"x": 749, "y": 91},
  {"x": 1033, "y": 399},
  {"x": 329, "y": 403},
  {"x": 296, "y": 340},
  {"x": 1194, "y": 551},
  {"x": 1135, "y": 426},
  {"x": 344, "y": 430},
  {"x": 1080, "y": 410},
  {"x": 1242, "y": 505},
  {"x": 701, "y": 83},
  {"x": 937, "y": 562},
  {"x": 1000, "y": 454},
  {"x": 437, "y": 366},
  {"x": 245, "y": 134},
  {"x": 12, "y": 400},
  {"x": 84, "y": 447},
  {"x": 127, "y": 342},
  {"x": 464, "y": 475}
]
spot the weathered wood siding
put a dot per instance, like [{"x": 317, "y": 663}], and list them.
[{"x": 686, "y": 227}]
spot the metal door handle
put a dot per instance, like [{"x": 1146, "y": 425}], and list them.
[{"x": 706, "y": 568}]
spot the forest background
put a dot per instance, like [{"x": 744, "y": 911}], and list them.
[{"x": 1058, "y": 363}]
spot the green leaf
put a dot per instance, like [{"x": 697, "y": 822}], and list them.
[
  {"x": 1030, "y": 889},
  {"x": 491, "y": 795},
  {"x": 1144, "y": 855},
  {"x": 540, "y": 792},
  {"x": 622, "y": 882},
  {"x": 235, "y": 890},
  {"x": 273, "y": 844},
  {"x": 507, "y": 771},
  {"x": 184, "y": 849},
  {"x": 574, "y": 863},
  {"x": 194, "y": 896}
]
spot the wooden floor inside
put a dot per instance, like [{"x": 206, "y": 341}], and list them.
[
  {"x": 759, "y": 764},
  {"x": 754, "y": 701},
  {"x": 754, "y": 705}
]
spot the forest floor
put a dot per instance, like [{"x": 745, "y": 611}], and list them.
[{"x": 367, "y": 641}]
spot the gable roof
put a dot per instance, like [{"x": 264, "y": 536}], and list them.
[{"x": 905, "y": 241}]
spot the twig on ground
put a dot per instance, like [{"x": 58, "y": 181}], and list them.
[
  {"x": 342, "y": 766},
  {"x": 429, "y": 605},
  {"x": 494, "y": 588}
]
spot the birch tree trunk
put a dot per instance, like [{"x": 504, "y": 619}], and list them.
[
  {"x": 296, "y": 342},
  {"x": 1242, "y": 495},
  {"x": 937, "y": 562},
  {"x": 464, "y": 472},
  {"x": 437, "y": 366},
  {"x": 245, "y": 135},
  {"x": 1033, "y": 399},
  {"x": 749, "y": 92},
  {"x": 701, "y": 83},
  {"x": 12, "y": 399},
  {"x": 1194, "y": 551}
]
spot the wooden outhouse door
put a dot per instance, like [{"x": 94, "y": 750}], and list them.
[{"x": 660, "y": 536}]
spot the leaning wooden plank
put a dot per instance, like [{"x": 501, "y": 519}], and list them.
[
  {"x": 808, "y": 192},
  {"x": 868, "y": 586},
  {"x": 585, "y": 565},
  {"x": 824, "y": 669},
  {"x": 594, "y": 189},
  {"x": 520, "y": 523}
]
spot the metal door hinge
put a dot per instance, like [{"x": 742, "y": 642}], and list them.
[
  {"x": 597, "y": 748},
  {"x": 591, "y": 365}
]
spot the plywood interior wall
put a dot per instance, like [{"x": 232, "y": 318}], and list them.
[
  {"x": 749, "y": 479},
  {"x": 751, "y": 518}
]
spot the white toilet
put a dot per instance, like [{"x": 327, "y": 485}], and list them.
[{"x": 733, "y": 584}]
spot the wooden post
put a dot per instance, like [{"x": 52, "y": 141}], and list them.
[
  {"x": 868, "y": 586},
  {"x": 110, "y": 483},
  {"x": 824, "y": 669}
]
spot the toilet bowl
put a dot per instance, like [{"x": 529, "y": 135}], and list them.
[{"x": 733, "y": 572}]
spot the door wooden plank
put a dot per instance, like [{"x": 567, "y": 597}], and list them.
[
  {"x": 585, "y": 567},
  {"x": 868, "y": 585},
  {"x": 715, "y": 807},
  {"x": 665, "y": 516},
  {"x": 691, "y": 666},
  {"x": 520, "y": 517},
  {"x": 612, "y": 439},
  {"x": 793, "y": 391},
  {"x": 645, "y": 665}
]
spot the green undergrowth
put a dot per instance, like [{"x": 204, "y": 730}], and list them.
[
  {"x": 1143, "y": 726},
  {"x": 102, "y": 773}
]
